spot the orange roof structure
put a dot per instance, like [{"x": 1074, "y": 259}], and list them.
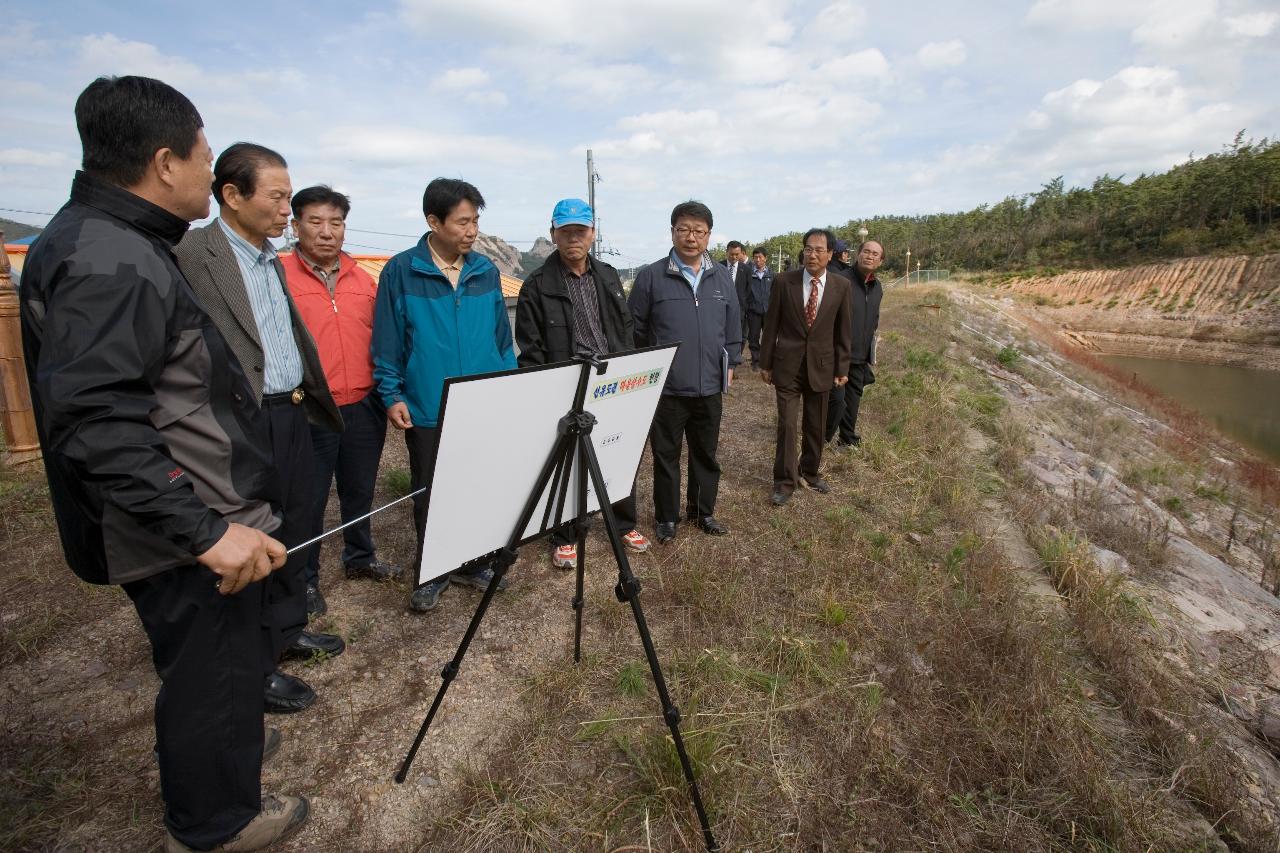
[{"x": 373, "y": 264}]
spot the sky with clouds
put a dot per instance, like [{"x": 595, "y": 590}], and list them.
[{"x": 779, "y": 115}]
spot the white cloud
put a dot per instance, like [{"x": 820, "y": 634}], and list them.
[
  {"x": 839, "y": 23},
  {"x": 1140, "y": 118},
  {"x": 462, "y": 79},
  {"x": 389, "y": 145},
  {"x": 109, "y": 54},
  {"x": 705, "y": 36},
  {"x": 1177, "y": 25},
  {"x": 1255, "y": 25},
  {"x": 944, "y": 54},
  {"x": 27, "y": 157}
]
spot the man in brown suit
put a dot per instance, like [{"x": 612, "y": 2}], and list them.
[{"x": 803, "y": 353}]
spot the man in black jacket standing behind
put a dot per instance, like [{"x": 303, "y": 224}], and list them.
[
  {"x": 574, "y": 304},
  {"x": 158, "y": 460},
  {"x": 842, "y": 407}
]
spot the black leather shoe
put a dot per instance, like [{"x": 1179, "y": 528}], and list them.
[
  {"x": 779, "y": 498},
  {"x": 664, "y": 531},
  {"x": 818, "y": 484},
  {"x": 287, "y": 694},
  {"x": 316, "y": 605},
  {"x": 309, "y": 644},
  {"x": 377, "y": 570},
  {"x": 708, "y": 524}
]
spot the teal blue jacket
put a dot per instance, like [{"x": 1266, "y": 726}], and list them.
[{"x": 425, "y": 330}]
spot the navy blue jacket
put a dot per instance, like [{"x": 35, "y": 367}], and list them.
[
  {"x": 758, "y": 291},
  {"x": 708, "y": 327}
]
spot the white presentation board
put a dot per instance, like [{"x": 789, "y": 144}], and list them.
[{"x": 496, "y": 432}]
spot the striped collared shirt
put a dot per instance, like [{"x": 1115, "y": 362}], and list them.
[
  {"x": 588, "y": 330},
  {"x": 282, "y": 363}
]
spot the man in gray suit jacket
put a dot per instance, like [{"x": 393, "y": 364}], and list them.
[{"x": 234, "y": 272}]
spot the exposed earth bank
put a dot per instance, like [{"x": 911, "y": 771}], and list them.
[{"x": 1212, "y": 310}]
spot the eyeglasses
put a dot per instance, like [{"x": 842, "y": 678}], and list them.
[
  {"x": 815, "y": 250},
  {"x": 683, "y": 231}
]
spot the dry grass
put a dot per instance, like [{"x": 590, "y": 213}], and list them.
[{"x": 856, "y": 672}]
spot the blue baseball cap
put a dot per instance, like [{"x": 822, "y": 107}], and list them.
[{"x": 572, "y": 211}]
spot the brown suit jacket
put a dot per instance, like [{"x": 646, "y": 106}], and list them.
[
  {"x": 786, "y": 343},
  {"x": 207, "y": 260}
]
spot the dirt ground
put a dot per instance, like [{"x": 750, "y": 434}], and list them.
[{"x": 77, "y": 686}]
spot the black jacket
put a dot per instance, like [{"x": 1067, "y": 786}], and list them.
[
  {"x": 758, "y": 290},
  {"x": 152, "y": 439},
  {"x": 865, "y": 315},
  {"x": 708, "y": 327},
  {"x": 544, "y": 313}
]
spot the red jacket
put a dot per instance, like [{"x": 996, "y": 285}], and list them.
[{"x": 342, "y": 324}]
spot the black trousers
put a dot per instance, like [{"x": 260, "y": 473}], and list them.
[
  {"x": 842, "y": 407},
  {"x": 422, "y": 444},
  {"x": 755, "y": 323},
  {"x": 681, "y": 420},
  {"x": 352, "y": 456},
  {"x": 285, "y": 614},
  {"x": 207, "y": 649}
]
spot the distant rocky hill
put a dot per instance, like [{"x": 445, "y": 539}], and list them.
[
  {"x": 17, "y": 230},
  {"x": 505, "y": 256}
]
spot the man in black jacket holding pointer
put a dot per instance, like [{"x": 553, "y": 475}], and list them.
[{"x": 574, "y": 304}]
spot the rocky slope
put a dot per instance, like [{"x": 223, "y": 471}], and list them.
[{"x": 1215, "y": 310}]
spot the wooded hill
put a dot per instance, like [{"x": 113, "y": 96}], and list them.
[{"x": 1222, "y": 203}]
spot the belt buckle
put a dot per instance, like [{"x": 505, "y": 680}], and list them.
[{"x": 297, "y": 396}]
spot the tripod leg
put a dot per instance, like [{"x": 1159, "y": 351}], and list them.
[
  {"x": 500, "y": 565},
  {"x": 628, "y": 591},
  {"x": 581, "y": 529},
  {"x": 577, "y": 595}
]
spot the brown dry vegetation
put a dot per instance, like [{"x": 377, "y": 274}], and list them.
[{"x": 863, "y": 670}]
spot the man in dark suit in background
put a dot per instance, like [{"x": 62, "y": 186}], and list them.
[
  {"x": 735, "y": 260},
  {"x": 237, "y": 277},
  {"x": 759, "y": 286},
  {"x": 864, "y": 317},
  {"x": 804, "y": 353}
]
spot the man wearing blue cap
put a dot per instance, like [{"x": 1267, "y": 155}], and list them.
[{"x": 573, "y": 304}]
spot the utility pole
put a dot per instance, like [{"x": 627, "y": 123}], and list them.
[{"x": 593, "y": 177}]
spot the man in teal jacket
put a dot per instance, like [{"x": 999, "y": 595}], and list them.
[{"x": 439, "y": 313}]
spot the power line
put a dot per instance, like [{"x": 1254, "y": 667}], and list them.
[{"x": 18, "y": 210}]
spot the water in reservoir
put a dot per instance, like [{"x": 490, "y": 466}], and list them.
[{"x": 1243, "y": 402}]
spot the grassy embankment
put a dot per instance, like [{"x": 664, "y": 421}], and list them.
[{"x": 865, "y": 670}]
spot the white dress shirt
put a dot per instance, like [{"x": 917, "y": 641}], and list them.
[{"x": 808, "y": 284}]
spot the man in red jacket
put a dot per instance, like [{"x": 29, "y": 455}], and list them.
[{"x": 335, "y": 298}]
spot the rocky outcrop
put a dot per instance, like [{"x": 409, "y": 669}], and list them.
[
  {"x": 505, "y": 256},
  {"x": 1215, "y": 310}
]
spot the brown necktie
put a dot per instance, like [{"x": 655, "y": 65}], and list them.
[{"x": 811, "y": 306}]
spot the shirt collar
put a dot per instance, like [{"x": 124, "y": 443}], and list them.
[
  {"x": 685, "y": 268},
  {"x": 265, "y": 252},
  {"x": 439, "y": 261},
  {"x": 822, "y": 279},
  {"x": 302, "y": 256}
]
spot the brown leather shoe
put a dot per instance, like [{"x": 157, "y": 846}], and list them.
[{"x": 279, "y": 817}]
